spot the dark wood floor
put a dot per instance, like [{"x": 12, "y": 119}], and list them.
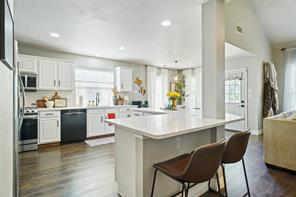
[{"x": 79, "y": 170}]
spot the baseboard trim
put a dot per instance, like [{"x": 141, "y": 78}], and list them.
[
  {"x": 40, "y": 146},
  {"x": 256, "y": 132}
]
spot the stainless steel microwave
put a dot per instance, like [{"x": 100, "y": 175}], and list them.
[{"x": 29, "y": 81}]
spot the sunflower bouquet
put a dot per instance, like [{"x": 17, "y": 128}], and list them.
[{"x": 173, "y": 97}]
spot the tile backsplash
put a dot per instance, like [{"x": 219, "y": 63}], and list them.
[{"x": 31, "y": 97}]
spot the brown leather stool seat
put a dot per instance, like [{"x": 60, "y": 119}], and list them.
[
  {"x": 174, "y": 167},
  {"x": 199, "y": 166}
]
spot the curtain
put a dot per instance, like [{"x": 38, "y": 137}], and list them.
[
  {"x": 290, "y": 80},
  {"x": 151, "y": 81},
  {"x": 158, "y": 86},
  {"x": 193, "y": 87},
  {"x": 165, "y": 86}
]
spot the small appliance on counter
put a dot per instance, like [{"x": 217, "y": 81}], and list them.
[
  {"x": 138, "y": 103},
  {"x": 28, "y": 139}
]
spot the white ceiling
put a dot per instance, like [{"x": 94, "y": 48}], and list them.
[
  {"x": 278, "y": 18},
  {"x": 90, "y": 27}
]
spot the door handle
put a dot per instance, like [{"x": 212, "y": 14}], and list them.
[
  {"x": 59, "y": 82},
  {"x": 102, "y": 118},
  {"x": 54, "y": 82},
  {"x": 58, "y": 123}
]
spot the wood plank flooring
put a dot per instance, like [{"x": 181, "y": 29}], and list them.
[{"x": 79, "y": 170}]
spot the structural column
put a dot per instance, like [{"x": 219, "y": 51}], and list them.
[{"x": 213, "y": 59}]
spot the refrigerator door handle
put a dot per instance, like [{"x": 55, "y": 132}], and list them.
[{"x": 22, "y": 88}]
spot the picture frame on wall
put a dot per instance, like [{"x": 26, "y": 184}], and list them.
[
  {"x": 172, "y": 86},
  {"x": 6, "y": 35}
]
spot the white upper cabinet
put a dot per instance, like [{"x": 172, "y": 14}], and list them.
[
  {"x": 55, "y": 74},
  {"x": 28, "y": 64},
  {"x": 47, "y": 74},
  {"x": 65, "y": 78},
  {"x": 124, "y": 79}
]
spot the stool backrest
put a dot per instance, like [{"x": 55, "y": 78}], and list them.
[
  {"x": 204, "y": 162},
  {"x": 236, "y": 147}
]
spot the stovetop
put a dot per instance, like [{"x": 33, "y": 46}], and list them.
[{"x": 30, "y": 111}]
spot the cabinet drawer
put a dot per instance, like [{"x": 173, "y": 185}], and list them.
[
  {"x": 125, "y": 109},
  {"x": 125, "y": 115},
  {"x": 49, "y": 114},
  {"x": 110, "y": 110},
  {"x": 135, "y": 114},
  {"x": 95, "y": 112}
]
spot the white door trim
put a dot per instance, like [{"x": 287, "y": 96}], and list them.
[{"x": 245, "y": 72}]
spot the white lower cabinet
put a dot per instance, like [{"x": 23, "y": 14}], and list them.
[
  {"x": 109, "y": 128},
  {"x": 95, "y": 122},
  {"x": 49, "y": 128}
]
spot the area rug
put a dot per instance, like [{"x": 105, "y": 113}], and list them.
[{"x": 101, "y": 141}]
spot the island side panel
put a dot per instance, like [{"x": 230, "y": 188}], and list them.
[
  {"x": 160, "y": 150},
  {"x": 128, "y": 162}
]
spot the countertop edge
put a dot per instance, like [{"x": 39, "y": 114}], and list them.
[{"x": 174, "y": 134}]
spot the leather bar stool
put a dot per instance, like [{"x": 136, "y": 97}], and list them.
[
  {"x": 235, "y": 150},
  {"x": 199, "y": 166}
]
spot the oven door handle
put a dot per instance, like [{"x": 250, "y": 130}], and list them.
[{"x": 32, "y": 117}]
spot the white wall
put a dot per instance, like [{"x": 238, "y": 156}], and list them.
[
  {"x": 6, "y": 131},
  {"x": 255, "y": 87},
  {"x": 83, "y": 61},
  {"x": 253, "y": 39}
]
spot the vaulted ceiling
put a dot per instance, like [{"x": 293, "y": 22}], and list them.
[{"x": 278, "y": 18}]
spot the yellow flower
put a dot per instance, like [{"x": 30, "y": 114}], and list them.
[{"x": 173, "y": 94}]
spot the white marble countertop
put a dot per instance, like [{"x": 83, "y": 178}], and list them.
[
  {"x": 98, "y": 107},
  {"x": 171, "y": 124}
]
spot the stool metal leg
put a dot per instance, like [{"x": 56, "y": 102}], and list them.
[
  {"x": 218, "y": 183},
  {"x": 186, "y": 190},
  {"x": 245, "y": 173},
  {"x": 153, "y": 184},
  {"x": 224, "y": 178}
]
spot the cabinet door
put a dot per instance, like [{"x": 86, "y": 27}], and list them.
[
  {"x": 49, "y": 130},
  {"x": 47, "y": 74},
  {"x": 124, "y": 79},
  {"x": 95, "y": 125},
  {"x": 65, "y": 78},
  {"x": 28, "y": 64},
  {"x": 125, "y": 115}
]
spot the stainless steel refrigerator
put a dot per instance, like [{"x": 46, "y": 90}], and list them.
[{"x": 9, "y": 116}]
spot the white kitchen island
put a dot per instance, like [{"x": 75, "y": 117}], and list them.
[{"x": 142, "y": 141}]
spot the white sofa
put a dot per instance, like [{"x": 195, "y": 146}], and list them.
[{"x": 279, "y": 134}]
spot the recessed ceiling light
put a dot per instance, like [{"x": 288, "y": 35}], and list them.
[
  {"x": 55, "y": 35},
  {"x": 121, "y": 48},
  {"x": 166, "y": 23},
  {"x": 98, "y": 55}
]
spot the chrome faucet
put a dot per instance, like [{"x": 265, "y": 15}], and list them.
[{"x": 97, "y": 98}]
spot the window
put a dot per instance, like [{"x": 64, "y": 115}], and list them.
[
  {"x": 157, "y": 82},
  {"x": 89, "y": 82},
  {"x": 233, "y": 90}
]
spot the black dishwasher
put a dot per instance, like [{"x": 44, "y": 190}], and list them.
[{"x": 73, "y": 125}]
